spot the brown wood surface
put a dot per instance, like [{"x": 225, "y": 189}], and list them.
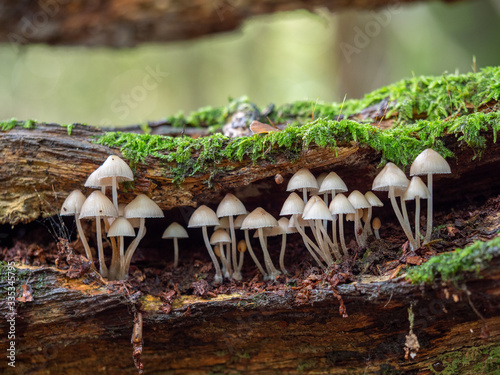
[
  {"x": 125, "y": 23},
  {"x": 81, "y": 326}
]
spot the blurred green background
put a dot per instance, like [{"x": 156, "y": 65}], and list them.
[{"x": 272, "y": 59}]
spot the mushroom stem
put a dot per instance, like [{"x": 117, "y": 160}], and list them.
[
  {"x": 81, "y": 233},
  {"x": 218, "y": 273},
  {"x": 428, "y": 232},
  {"x": 114, "y": 192},
  {"x": 131, "y": 249},
  {"x": 334, "y": 235},
  {"x": 325, "y": 242},
  {"x": 273, "y": 272},
  {"x": 240, "y": 263},
  {"x": 377, "y": 235},
  {"x": 176, "y": 253},
  {"x": 282, "y": 254},
  {"x": 234, "y": 271},
  {"x": 367, "y": 229},
  {"x": 102, "y": 264},
  {"x": 417, "y": 221},
  {"x": 225, "y": 262},
  {"x": 307, "y": 241},
  {"x": 116, "y": 261},
  {"x": 357, "y": 228},
  {"x": 252, "y": 254},
  {"x": 406, "y": 228},
  {"x": 304, "y": 195},
  {"x": 404, "y": 211},
  {"x": 325, "y": 199},
  {"x": 330, "y": 244},
  {"x": 341, "y": 233},
  {"x": 317, "y": 237}
]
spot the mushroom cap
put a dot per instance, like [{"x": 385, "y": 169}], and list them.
[
  {"x": 239, "y": 219},
  {"x": 97, "y": 205},
  {"x": 283, "y": 228},
  {"x": 230, "y": 206},
  {"x": 115, "y": 167},
  {"x": 376, "y": 223},
  {"x": 95, "y": 181},
  {"x": 309, "y": 204},
  {"x": 121, "y": 227},
  {"x": 417, "y": 188},
  {"x": 136, "y": 222},
  {"x": 341, "y": 205},
  {"x": 303, "y": 178},
  {"x": 429, "y": 162},
  {"x": 293, "y": 205},
  {"x": 73, "y": 203},
  {"x": 373, "y": 199},
  {"x": 358, "y": 200},
  {"x": 259, "y": 218},
  {"x": 242, "y": 246},
  {"x": 142, "y": 207},
  {"x": 175, "y": 230},
  {"x": 223, "y": 223},
  {"x": 220, "y": 236},
  {"x": 203, "y": 216},
  {"x": 332, "y": 183},
  {"x": 321, "y": 178},
  {"x": 318, "y": 211},
  {"x": 390, "y": 176}
]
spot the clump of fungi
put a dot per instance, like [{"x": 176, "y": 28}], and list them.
[{"x": 323, "y": 201}]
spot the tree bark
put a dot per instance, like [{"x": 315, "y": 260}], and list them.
[
  {"x": 82, "y": 326},
  {"x": 119, "y": 23}
]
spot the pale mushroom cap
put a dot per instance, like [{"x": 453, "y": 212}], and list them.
[
  {"x": 203, "y": 216},
  {"x": 303, "y": 178},
  {"x": 309, "y": 204},
  {"x": 95, "y": 181},
  {"x": 259, "y": 218},
  {"x": 318, "y": 211},
  {"x": 239, "y": 219},
  {"x": 230, "y": 206},
  {"x": 220, "y": 236},
  {"x": 341, "y": 205},
  {"x": 283, "y": 227},
  {"x": 332, "y": 182},
  {"x": 416, "y": 188},
  {"x": 142, "y": 207},
  {"x": 321, "y": 178},
  {"x": 429, "y": 162},
  {"x": 121, "y": 227},
  {"x": 97, "y": 205},
  {"x": 376, "y": 223},
  {"x": 293, "y": 205},
  {"x": 73, "y": 203},
  {"x": 175, "y": 230},
  {"x": 391, "y": 175},
  {"x": 358, "y": 200},
  {"x": 373, "y": 199},
  {"x": 115, "y": 167},
  {"x": 223, "y": 223}
]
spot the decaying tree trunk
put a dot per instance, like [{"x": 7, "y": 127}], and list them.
[
  {"x": 119, "y": 23},
  {"x": 80, "y": 327}
]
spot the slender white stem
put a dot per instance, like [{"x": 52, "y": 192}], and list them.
[
  {"x": 307, "y": 241},
  {"x": 377, "y": 235},
  {"x": 114, "y": 189},
  {"x": 332, "y": 245},
  {"x": 240, "y": 263},
  {"x": 224, "y": 260},
  {"x": 341, "y": 233},
  {"x": 357, "y": 229},
  {"x": 367, "y": 229},
  {"x": 325, "y": 199},
  {"x": 273, "y": 272},
  {"x": 325, "y": 242},
  {"x": 417, "y": 220},
  {"x": 406, "y": 228},
  {"x": 334, "y": 234},
  {"x": 252, "y": 254},
  {"x": 218, "y": 273},
  {"x": 233, "y": 245},
  {"x": 304, "y": 195},
  {"x": 318, "y": 247},
  {"x": 81, "y": 234},
  {"x": 132, "y": 247},
  {"x": 428, "y": 233},
  {"x": 116, "y": 260},
  {"x": 282, "y": 254},
  {"x": 102, "y": 264},
  {"x": 176, "y": 253},
  {"x": 404, "y": 211}
]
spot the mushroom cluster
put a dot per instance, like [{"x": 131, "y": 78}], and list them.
[{"x": 119, "y": 220}]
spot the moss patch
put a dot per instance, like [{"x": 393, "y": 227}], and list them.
[
  {"x": 475, "y": 360},
  {"x": 453, "y": 265}
]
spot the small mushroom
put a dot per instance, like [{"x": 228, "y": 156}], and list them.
[
  {"x": 175, "y": 231},
  {"x": 72, "y": 206},
  {"x": 220, "y": 237},
  {"x": 121, "y": 227},
  {"x": 229, "y": 207},
  {"x": 417, "y": 190},
  {"x": 202, "y": 217},
  {"x": 304, "y": 181},
  {"x": 376, "y": 224},
  {"x": 429, "y": 162},
  {"x": 260, "y": 219},
  {"x": 359, "y": 202},
  {"x": 237, "y": 225},
  {"x": 97, "y": 205}
]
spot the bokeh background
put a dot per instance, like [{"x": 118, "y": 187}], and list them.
[{"x": 271, "y": 59}]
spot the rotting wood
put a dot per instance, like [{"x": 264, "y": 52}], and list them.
[{"x": 81, "y": 326}]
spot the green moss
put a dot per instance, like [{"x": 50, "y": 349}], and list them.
[
  {"x": 453, "y": 265},
  {"x": 475, "y": 360}
]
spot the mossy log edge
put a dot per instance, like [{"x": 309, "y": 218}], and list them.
[{"x": 80, "y": 327}]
